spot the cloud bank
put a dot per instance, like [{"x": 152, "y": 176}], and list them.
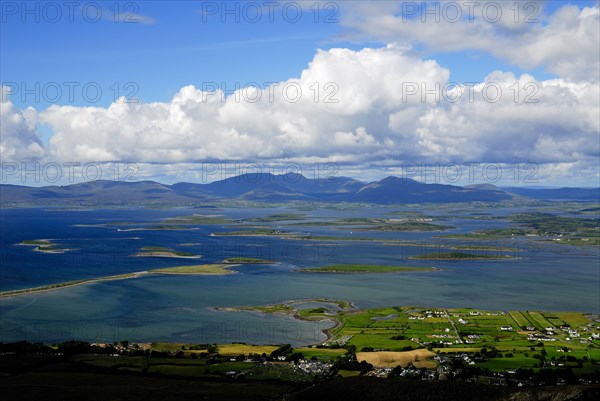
[
  {"x": 375, "y": 106},
  {"x": 565, "y": 43}
]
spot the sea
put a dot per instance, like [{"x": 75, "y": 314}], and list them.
[{"x": 99, "y": 242}]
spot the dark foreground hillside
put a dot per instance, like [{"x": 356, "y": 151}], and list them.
[
  {"x": 374, "y": 389},
  {"x": 69, "y": 385},
  {"x": 54, "y": 385}
]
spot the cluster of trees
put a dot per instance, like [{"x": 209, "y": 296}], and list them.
[
  {"x": 287, "y": 351},
  {"x": 68, "y": 348},
  {"x": 396, "y": 371},
  {"x": 25, "y": 348},
  {"x": 349, "y": 362},
  {"x": 210, "y": 348}
]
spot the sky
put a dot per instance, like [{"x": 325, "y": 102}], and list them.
[{"x": 500, "y": 92}]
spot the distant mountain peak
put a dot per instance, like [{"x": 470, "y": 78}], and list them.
[
  {"x": 486, "y": 187},
  {"x": 266, "y": 187}
]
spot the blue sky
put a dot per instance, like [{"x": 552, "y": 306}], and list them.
[
  {"x": 180, "y": 47},
  {"x": 173, "y": 45}
]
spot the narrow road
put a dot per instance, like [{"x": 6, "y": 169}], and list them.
[{"x": 453, "y": 326}]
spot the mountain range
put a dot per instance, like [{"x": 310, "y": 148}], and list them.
[{"x": 277, "y": 188}]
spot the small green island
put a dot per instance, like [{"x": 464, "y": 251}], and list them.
[
  {"x": 162, "y": 252},
  {"x": 362, "y": 268},
  {"x": 379, "y": 224},
  {"x": 277, "y": 217},
  {"x": 483, "y": 248},
  {"x": 172, "y": 223},
  {"x": 215, "y": 268},
  {"x": 206, "y": 269},
  {"x": 256, "y": 232},
  {"x": 467, "y": 247},
  {"x": 492, "y": 233},
  {"x": 544, "y": 227},
  {"x": 290, "y": 308},
  {"x": 460, "y": 256},
  {"x": 159, "y": 228},
  {"x": 407, "y": 226},
  {"x": 197, "y": 219},
  {"x": 262, "y": 231},
  {"x": 247, "y": 260},
  {"x": 43, "y": 246}
]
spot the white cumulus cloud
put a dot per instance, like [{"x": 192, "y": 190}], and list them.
[
  {"x": 18, "y": 139},
  {"x": 565, "y": 43},
  {"x": 375, "y": 105}
]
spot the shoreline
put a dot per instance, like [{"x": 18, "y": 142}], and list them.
[
  {"x": 345, "y": 305},
  {"x": 156, "y": 229},
  {"x": 44, "y": 246},
  {"x": 417, "y": 270},
  {"x": 161, "y": 254},
  {"x": 126, "y": 276},
  {"x": 442, "y": 259},
  {"x": 68, "y": 284}
]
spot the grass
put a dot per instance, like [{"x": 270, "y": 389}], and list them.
[
  {"x": 540, "y": 319},
  {"x": 519, "y": 319},
  {"x": 321, "y": 353},
  {"x": 360, "y": 268},
  {"x": 457, "y": 256},
  {"x": 546, "y": 223},
  {"x": 197, "y": 219},
  {"x": 43, "y": 245},
  {"x": 245, "y": 349},
  {"x": 156, "y": 249},
  {"x": 36, "y": 242},
  {"x": 207, "y": 269},
  {"x": 159, "y": 251},
  {"x": 457, "y": 349},
  {"x": 239, "y": 259},
  {"x": 378, "y": 340},
  {"x": 482, "y": 248},
  {"x": 333, "y": 238},
  {"x": 501, "y": 364},
  {"x": 420, "y": 358},
  {"x": 574, "y": 319},
  {"x": 256, "y": 232},
  {"x": 350, "y": 221},
  {"x": 564, "y": 230},
  {"x": 532, "y": 321},
  {"x": 341, "y": 303},
  {"x": 393, "y": 328},
  {"x": 492, "y": 233},
  {"x": 373, "y": 224},
  {"x": 166, "y": 227},
  {"x": 170, "y": 347},
  {"x": 277, "y": 217},
  {"x": 196, "y": 269},
  {"x": 56, "y": 286},
  {"x": 279, "y": 308},
  {"x": 408, "y": 226}
]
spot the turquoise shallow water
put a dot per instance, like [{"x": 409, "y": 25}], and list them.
[{"x": 180, "y": 308}]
